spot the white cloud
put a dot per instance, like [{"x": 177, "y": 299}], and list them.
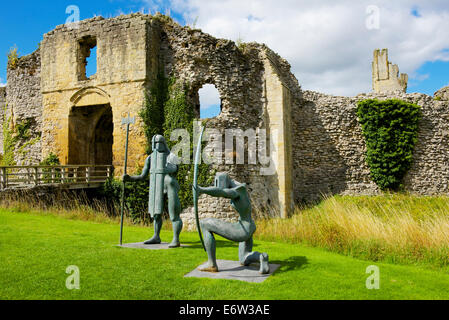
[
  {"x": 209, "y": 97},
  {"x": 327, "y": 42},
  {"x": 2, "y": 84}
]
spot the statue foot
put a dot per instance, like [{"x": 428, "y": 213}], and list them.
[
  {"x": 209, "y": 269},
  {"x": 174, "y": 244},
  {"x": 264, "y": 265},
  {"x": 154, "y": 240}
]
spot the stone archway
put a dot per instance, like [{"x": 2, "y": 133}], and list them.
[
  {"x": 90, "y": 128},
  {"x": 91, "y": 135}
]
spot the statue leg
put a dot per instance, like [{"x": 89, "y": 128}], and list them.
[
  {"x": 174, "y": 209},
  {"x": 209, "y": 243},
  {"x": 232, "y": 231},
  {"x": 247, "y": 256},
  {"x": 157, "y": 230}
]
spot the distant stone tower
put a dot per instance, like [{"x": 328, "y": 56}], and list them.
[{"x": 386, "y": 75}]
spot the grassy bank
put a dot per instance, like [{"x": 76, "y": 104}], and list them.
[
  {"x": 393, "y": 228},
  {"x": 36, "y": 248}
]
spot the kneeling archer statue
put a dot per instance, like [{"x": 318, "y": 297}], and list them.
[{"x": 241, "y": 232}]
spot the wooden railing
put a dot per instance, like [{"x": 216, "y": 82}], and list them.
[{"x": 32, "y": 176}]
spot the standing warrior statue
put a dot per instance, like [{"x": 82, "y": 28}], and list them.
[
  {"x": 241, "y": 231},
  {"x": 161, "y": 169}
]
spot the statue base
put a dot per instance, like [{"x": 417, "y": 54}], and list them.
[
  {"x": 233, "y": 270},
  {"x": 141, "y": 245}
]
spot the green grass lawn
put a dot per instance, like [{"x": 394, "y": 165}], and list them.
[{"x": 36, "y": 249}]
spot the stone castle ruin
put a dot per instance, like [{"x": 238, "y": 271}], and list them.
[
  {"x": 317, "y": 144},
  {"x": 386, "y": 76}
]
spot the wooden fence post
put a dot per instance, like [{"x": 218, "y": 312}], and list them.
[
  {"x": 88, "y": 174},
  {"x": 4, "y": 179},
  {"x": 36, "y": 176}
]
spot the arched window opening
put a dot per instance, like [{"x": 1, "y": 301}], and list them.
[{"x": 210, "y": 102}]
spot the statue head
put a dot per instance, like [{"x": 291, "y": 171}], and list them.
[
  {"x": 222, "y": 180},
  {"x": 159, "y": 144}
]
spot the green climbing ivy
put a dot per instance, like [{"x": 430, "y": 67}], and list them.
[
  {"x": 178, "y": 114},
  {"x": 136, "y": 200},
  {"x": 50, "y": 160},
  {"x": 166, "y": 109},
  {"x": 21, "y": 132},
  {"x": 9, "y": 141},
  {"x": 152, "y": 113},
  {"x": 390, "y": 129}
]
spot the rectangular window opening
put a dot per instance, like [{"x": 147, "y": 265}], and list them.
[{"x": 87, "y": 58}]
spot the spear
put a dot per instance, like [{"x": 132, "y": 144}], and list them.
[{"x": 125, "y": 121}]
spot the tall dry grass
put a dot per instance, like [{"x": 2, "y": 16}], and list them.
[
  {"x": 69, "y": 204},
  {"x": 395, "y": 228}
]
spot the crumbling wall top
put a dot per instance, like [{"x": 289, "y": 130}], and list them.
[
  {"x": 442, "y": 94},
  {"x": 121, "y": 45},
  {"x": 386, "y": 76}
]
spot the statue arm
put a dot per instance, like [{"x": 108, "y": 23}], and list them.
[
  {"x": 143, "y": 175},
  {"x": 171, "y": 168},
  {"x": 217, "y": 192}
]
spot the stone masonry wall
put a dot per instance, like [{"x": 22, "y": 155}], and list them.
[
  {"x": 254, "y": 83},
  {"x": 25, "y": 106},
  {"x": 120, "y": 81},
  {"x": 317, "y": 146},
  {"x": 2, "y": 114},
  {"x": 196, "y": 58},
  {"x": 329, "y": 154}
]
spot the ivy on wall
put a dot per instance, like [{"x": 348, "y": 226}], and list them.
[
  {"x": 166, "y": 109},
  {"x": 152, "y": 113},
  {"x": 15, "y": 136},
  {"x": 178, "y": 114},
  {"x": 9, "y": 141},
  {"x": 390, "y": 129}
]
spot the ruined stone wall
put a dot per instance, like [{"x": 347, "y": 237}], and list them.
[
  {"x": 386, "y": 76},
  {"x": 2, "y": 114},
  {"x": 329, "y": 154},
  {"x": 24, "y": 100},
  {"x": 256, "y": 89},
  {"x": 317, "y": 147},
  {"x": 120, "y": 81},
  {"x": 196, "y": 58},
  {"x": 131, "y": 50}
]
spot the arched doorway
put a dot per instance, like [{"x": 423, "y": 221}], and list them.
[{"x": 90, "y": 135}]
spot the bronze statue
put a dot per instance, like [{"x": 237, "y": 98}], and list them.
[
  {"x": 241, "y": 231},
  {"x": 161, "y": 168}
]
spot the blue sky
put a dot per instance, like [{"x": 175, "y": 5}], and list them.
[
  {"x": 23, "y": 23},
  {"x": 332, "y": 57}
]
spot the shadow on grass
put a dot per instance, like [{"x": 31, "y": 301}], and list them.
[{"x": 291, "y": 264}]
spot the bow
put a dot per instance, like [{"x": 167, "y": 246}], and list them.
[{"x": 195, "y": 186}]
